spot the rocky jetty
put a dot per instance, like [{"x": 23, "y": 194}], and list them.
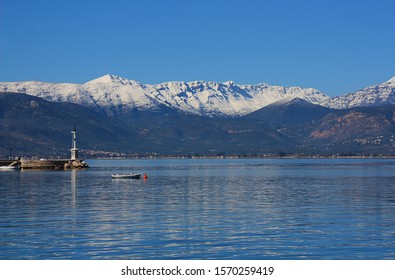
[
  {"x": 76, "y": 164},
  {"x": 53, "y": 164}
]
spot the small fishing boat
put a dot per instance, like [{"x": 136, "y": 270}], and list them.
[
  {"x": 9, "y": 167},
  {"x": 126, "y": 176}
]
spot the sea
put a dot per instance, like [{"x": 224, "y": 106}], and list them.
[{"x": 222, "y": 209}]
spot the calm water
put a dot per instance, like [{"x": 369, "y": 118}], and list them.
[{"x": 202, "y": 209}]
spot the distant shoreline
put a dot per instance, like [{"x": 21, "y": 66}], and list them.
[
  {"x": 238, "y": 157},
  {"x": 5, "y": 161}
]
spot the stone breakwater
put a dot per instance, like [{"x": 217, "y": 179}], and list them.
[{"x": 52, "y": 164}]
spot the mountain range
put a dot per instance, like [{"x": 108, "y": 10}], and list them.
[
  {"x": 113, "y": 95},
  {"x": 117, "y": 115}
]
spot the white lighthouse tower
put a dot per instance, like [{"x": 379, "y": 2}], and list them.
[{"x": 74, "y": 150}]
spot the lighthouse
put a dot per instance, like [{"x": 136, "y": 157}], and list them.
[{"x": 74, "y": 150}]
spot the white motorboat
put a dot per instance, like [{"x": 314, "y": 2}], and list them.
[
  {"x": 9, "y": 167},
  {"x": 126, "y": 176}
]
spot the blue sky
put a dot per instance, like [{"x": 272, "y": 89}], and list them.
[{"x": 333, "y": 46}]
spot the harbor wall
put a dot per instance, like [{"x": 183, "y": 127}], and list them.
[
  {"x": 43, "y": 164},
  {"x": 52, "y": 164}
]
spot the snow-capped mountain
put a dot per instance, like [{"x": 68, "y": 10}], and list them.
[
  {"x": 109, "y": 94},
  {"x": 381, "y": 94},
  {"x": 115, "y": 95}
]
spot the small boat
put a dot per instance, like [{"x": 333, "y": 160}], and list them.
[
  {"x": 126, "y": 176},
  {"x": 9, "y": 167}
]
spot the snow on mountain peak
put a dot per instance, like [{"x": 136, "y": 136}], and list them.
[
  {"x": 229, "y": 83},
  {"x": 106, "y": 79},
  {"x": 391, "y": 81},
  {"x": 375, "y": 95},
  {"x": 110, "y": 79},
  {"x": 115, "y": 95}
]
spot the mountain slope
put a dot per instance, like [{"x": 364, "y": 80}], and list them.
[
  {"x": 293, "y": 112},
  {"x": 317, "y": 129},
  {"x": 356, "y": 130},
  {"x": 116, "y": 96},
  {"x": 32, "y": 126},
  {"x": 377, "y": 95}
]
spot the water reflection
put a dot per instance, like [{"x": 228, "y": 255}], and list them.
[{"x": 73, "y": 187}]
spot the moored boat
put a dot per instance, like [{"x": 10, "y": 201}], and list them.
[
  {"x": 9, "y": 167},
  {"x": 126, "y": 176}
]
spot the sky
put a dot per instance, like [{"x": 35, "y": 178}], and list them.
[{"x": 330, "y": 45}]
